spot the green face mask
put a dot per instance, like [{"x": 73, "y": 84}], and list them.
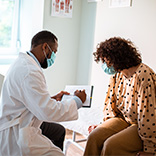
[
  {"x": 108, "y": 70},
  {"x": 50, "y": 61}
]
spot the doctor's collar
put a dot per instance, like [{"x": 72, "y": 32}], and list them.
[{"x": 33, "y": 56}]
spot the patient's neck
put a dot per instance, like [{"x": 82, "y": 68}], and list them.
[{"x": 130, "y": 71}]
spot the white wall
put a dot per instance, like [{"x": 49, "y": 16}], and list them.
[
  {"x": 67, "y": 31},
  {"x": 75, "y": 37},
  {"x": 137, "y": 23},
  {"x": 86, "y": 45}
]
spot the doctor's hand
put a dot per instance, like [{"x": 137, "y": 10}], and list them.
[
  {"x": 59, "y": 96},
  {"x": 81, "y": 95}
]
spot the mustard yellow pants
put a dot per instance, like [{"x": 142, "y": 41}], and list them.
[{"x": 114, "y": 137}]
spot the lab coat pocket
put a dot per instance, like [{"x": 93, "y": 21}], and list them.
[{"x": 32, "y": 142}]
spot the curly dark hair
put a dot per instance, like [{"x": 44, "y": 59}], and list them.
[
  {"x": 120, "y": 52},
  {"x": 42, "y": 37}
]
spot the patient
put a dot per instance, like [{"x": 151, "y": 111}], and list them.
[{"x": 129, "y": 123}]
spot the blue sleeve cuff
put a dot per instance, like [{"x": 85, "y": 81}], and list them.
[{"x": 78, "y": 101}]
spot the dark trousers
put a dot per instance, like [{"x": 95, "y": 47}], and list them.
[{"x": 55, "y": 132}]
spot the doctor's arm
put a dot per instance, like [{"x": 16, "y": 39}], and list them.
[
  {"x": 38, "y": 101},
  {"x": 78, "y": 93},
  {"x": 79, "y": 97},
  {"x": 58, "y": 97}
]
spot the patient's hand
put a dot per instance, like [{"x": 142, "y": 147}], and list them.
[
  {"x": 144, "y": 154},
  {"x": 91, "y": 128}
]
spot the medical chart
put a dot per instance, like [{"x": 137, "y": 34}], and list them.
[{"x": 62, "y": 8}]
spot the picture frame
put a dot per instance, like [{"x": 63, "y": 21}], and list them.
[{"x": 120, "y": 3}]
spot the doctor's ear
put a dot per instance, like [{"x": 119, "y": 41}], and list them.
[{"x": 44, "y": 46}]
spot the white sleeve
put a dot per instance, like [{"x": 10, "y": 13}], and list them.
[{"x": 38, "y": 100}]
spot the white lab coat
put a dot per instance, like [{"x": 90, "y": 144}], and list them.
[{"x": 25, "y": 103}]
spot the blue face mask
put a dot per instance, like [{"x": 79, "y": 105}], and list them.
[
  {"x": 108, "y": 70},
  {"x": 50, "y": 61}
]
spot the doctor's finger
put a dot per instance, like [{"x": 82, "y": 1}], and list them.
[
  {"x": 65, "y": 92},
  {"x": 83, "y": 90},
  {"x": 76, "y": 91},
  {"x": 62, "y": 93}
]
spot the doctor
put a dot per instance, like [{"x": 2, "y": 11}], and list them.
[{"x": 26, "y": 103}]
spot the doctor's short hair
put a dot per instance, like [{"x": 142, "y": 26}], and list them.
[
  {"x": 121, "y": 53},
  {"x": 43, "y": 37}
]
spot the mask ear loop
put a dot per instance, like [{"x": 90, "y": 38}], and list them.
[
  {"x": 49, "y": 48},
  {"x": 45, "y": 54}
]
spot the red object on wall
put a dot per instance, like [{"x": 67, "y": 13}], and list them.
[
  {"x": 62, "y": 5},
  {"x": 67, "y": 2},
  {"x": 57, "y": 1}
]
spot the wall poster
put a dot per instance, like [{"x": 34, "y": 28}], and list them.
[{"x": 62, "y": 8}]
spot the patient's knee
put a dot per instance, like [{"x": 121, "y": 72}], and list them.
[
  {"x": 110, "y": 146},
  {"x": 92, "y": 137},
  {"x": 98, "y": 136}
]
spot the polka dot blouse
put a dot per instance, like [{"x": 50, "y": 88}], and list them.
[{"x": 135, "y": 97}]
